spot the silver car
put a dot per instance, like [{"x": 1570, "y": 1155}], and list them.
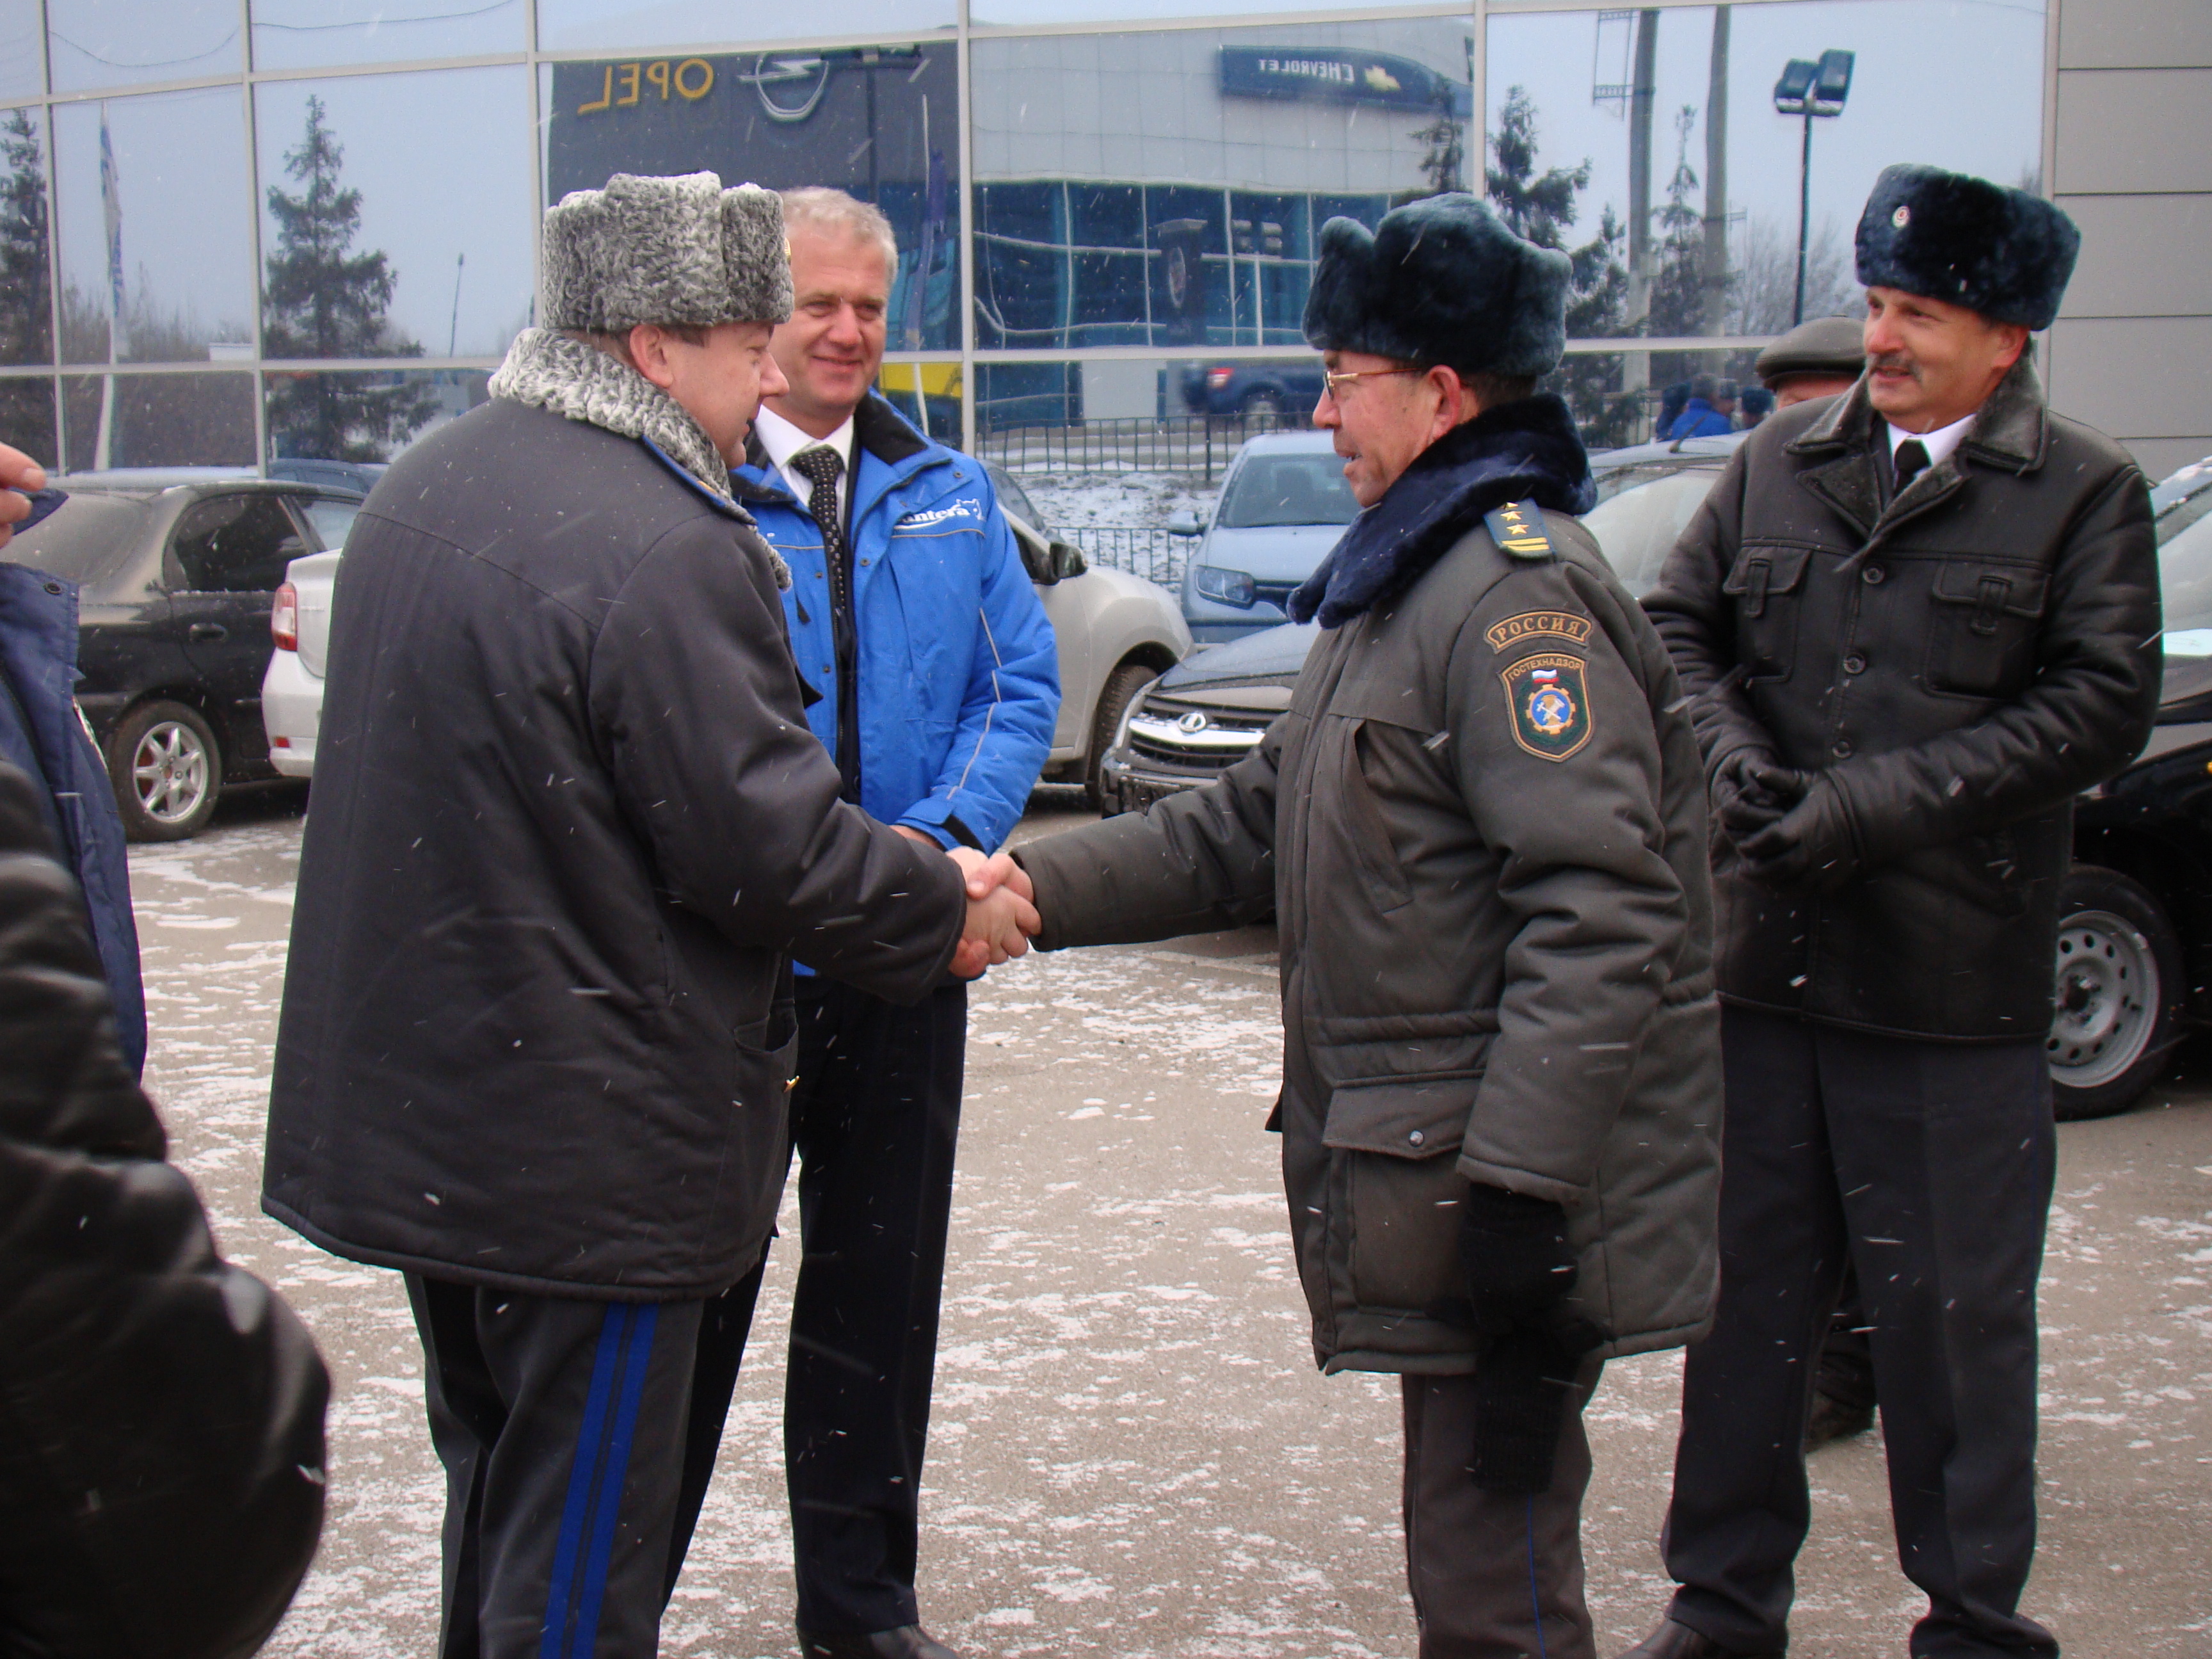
[{"x": 1284, "y": 505}]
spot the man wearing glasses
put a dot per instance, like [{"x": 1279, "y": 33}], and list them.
[{"x": 1482, "y": 827}]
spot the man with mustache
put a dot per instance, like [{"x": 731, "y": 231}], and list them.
[{"x": 1915, "y": 620}]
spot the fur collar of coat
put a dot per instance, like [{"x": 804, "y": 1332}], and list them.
[
  {"x": 1524, "y": 451},
  {"x": 552, "y": 370}
]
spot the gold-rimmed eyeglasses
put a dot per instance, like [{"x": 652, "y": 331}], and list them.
[{"x": 1335, "y": 379}]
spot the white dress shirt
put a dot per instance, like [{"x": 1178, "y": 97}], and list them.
[
  {"x": 782, "y": 440},
  {"x": 1939, "y": 444}
]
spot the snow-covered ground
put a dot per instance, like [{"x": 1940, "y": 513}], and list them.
[{"x": 1077, "y": 500}]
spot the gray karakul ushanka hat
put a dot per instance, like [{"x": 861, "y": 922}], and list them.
[
  {"x": 1440, "y": 281},
  {"x": 1948, "y": 236},
  {"x": 679, "y": 250}
]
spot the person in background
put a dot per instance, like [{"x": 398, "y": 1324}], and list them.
[
  {"x": 162, "y": 1475},
  {"x": 537, "y": 1040},
  {"x": 1706, "y": 415},
  {"x": 1482, "y": 828},
  {"x": 910, "y": 612},
  {"x": 1823, "y": 358},
  {"x": 1914, "y": 622},
  {"x": 44, "y": 737},
  {"x": 1755, "y": 405}
]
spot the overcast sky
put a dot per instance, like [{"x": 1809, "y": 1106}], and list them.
[{"x": 1956, "y": 83}]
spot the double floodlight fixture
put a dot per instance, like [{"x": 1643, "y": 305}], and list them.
[{"x": 1808, "y": 88}]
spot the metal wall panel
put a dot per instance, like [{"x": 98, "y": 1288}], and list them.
[
  {"x": 2133, "y": 131},
  {"x": 2134, "y": 34},
  {"x": 2135, "y": 377},
  {"x": 2141, "y": 256}
]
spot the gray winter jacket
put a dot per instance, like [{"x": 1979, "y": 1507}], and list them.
[{"x": 1481, "y": 824}]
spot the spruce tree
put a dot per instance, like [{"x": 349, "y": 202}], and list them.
[
  {"x": 325, "y": 300},
  {"x": 27, "y": 318},
  {"x": 1539, "y": 209}
]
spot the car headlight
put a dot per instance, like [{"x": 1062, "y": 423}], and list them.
[{"x": 1226, "y": 586}]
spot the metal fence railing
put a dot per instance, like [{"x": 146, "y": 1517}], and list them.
[
  {"x": 1191, "y": 444},
  {"x": 1143, "y": 550}
]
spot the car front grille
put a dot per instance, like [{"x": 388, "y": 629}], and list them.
[{"x": 1195, "y": 742}]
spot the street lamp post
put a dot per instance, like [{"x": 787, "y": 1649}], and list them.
[{"x": 1811, "y": 89}]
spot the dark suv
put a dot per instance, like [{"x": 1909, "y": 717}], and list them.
[
  {"x": 176, "y": 573},
  {"x": 1283, "y": 393}
]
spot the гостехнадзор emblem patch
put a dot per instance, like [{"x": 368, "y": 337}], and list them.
[{"x": 1550, "y": 704}]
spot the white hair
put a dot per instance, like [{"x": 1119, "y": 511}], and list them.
[{"x": 817, "y": 207}]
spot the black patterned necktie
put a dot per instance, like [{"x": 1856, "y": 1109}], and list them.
[
  {"x": 820, "y": 467},
  {"x": 1908, "y": 464}
]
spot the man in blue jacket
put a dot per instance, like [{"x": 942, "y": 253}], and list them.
[
  {"x": 1706, "y": 414},
  {"x": 913, "y": 619},
  {"x": 42, "y": 734}
]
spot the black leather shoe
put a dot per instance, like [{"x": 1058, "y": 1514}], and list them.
[
  {"x": 1676, "y": 1641},
  {"x": 907, "y": 1642},
  {"x": 1835, "y": 1419}
]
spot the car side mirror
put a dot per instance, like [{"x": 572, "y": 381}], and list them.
[
  {"x": 1067, "y": 561},
  {"x": 1185, "y": 522}
]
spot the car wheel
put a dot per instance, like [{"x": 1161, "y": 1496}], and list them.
[
  {"x": 2119, "y": 990},
  {"x": 167, "y": 771},
  {"x": 1122, "y": 687},
  {"x": 1263, "y": 409}
]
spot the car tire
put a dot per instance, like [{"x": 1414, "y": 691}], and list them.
[
  {"x": 166, "y": 768},
  {"x": 2121, "y": 983},
  {"x": 1114, "y": 699},
  {"x": 1262, "y": 410}
]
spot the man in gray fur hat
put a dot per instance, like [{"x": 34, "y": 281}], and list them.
[
  {"x": 569, "y": 826},
  {"x": 1481, "y": 827},
  {"x": 1916, "y": 619}
]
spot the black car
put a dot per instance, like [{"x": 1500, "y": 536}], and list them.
[
  {"x": 2134, "y": 944},
  {"x": 177, "y": 573},
  {"x": 1280, "y": 393}
]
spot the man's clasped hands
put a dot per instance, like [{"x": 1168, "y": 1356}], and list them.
[{"x": 1002, "y": 915}]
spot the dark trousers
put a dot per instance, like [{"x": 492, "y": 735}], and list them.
[
  {"x": 1494, "y": 1575},
  {"x": 1928, "y": 1167},
  {"x": 873, "y": 1122},
  {"x": 578, "y": 1439}
]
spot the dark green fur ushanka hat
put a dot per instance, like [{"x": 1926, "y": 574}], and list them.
[
  {"x": 1949, "y": 236},
  {"x": 1440, "y": 281}
]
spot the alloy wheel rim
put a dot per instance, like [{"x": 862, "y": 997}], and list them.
[
  {"x": 2107, "y": 999},
  {"x": 169, "y": 772}
]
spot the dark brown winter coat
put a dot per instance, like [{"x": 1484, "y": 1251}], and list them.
[{"x": 1962, "y": 660}]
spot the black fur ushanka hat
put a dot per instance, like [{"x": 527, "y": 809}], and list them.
[
  {"x": 1439, "y": 281},
  {"x": 1948, "y": 236}
]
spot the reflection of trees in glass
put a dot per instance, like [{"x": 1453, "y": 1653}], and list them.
[
  {"x": 26, "y": 323},
  {"x": 1762, "y": 294},
  {"x": 162, "y": 420},
  {"x": 1540, "y": 209},
  {"x": 325, "y": 300},
  {"x": 1678, "y": 288},
  {"x": 1445, "y": 163}
]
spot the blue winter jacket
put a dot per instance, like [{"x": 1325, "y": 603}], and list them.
[
  {"x": 958, "y": 674},
  {"x": 1698, "y": 419},
  {"x": 41, "y": 734}
]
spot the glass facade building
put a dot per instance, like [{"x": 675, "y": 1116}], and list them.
[{"x": 236, "y": 230}]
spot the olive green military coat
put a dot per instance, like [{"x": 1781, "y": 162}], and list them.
[{"x": 1481, "y": 826}]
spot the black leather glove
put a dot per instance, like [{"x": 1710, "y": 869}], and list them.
[
  {"x": 1811, "y": 845},
  {"x": 1741, "y": 805},
  {"x": 1519, "y": 1268}
]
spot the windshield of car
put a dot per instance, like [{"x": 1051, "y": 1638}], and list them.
[
  {"x": 86, "y": 536},
  {"x": 1270, "y": 490},
  {"x": 1641, "y": 515},
  {"x": 2185, "y": 574},
  {"x": 331, "y": 519},
  {"x": 1015, "y": 500}
]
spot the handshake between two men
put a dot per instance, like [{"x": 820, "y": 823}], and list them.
[{"x": 1002, "y": 915}]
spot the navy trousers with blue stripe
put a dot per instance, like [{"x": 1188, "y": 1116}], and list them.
[{"x": 578, "y": 1439}]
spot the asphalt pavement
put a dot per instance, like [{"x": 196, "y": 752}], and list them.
[{"x": 1131, "y": 1452}]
